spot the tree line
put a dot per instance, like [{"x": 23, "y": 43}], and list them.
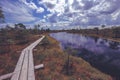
[
  {"x": 17, "y": 35},
  {"x": 113, "y": 32}
]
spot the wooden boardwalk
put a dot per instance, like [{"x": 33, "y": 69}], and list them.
[
  {"x": 6, "y": 76},
  {"x": 25, "y": 66}
]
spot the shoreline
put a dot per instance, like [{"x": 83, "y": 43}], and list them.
[
  {"x": 54, "y": 59},
  {"x": 99, "y": 36},
  {"x": 107, "y": 38}
]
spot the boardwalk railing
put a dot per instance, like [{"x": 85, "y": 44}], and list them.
[{"x": 25, "y": 66}]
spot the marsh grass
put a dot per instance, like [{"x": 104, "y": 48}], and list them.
[
  {"x": 50, "y": 54},
  {"x": 9, "y": 60}
]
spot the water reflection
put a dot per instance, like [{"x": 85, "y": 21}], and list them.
[
  {"x": 101, "y": 53},
  {"x": 114, "y": 45}
]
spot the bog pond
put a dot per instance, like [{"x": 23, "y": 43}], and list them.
[{"x": 100, "y": 53}]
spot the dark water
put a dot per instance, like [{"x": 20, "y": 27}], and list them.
[{"x": 100, "y": 53}]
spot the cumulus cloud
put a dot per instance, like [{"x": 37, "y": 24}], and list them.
[
  {"x": 53, "y": 18},
  {"x": 33, "y": 6},
  {"x": 54, "y": 6},
  {"x": 77, "y": 12},
  {"x": 40, "y": 10},
  {"x": 115, "y": 15},
  {"x": 80, "y": 12}
]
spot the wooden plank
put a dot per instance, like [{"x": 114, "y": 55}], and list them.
[
  {"x": 17, "y": 70},
  {"x": 6, "y": 76},
  {"x": 25, "y": 67},
  {"x": 39, "y": 66},
  {"x": 24, "y": 70},
  {"x": 31, "y": 74},
  {"x": 36, "y": 43}
]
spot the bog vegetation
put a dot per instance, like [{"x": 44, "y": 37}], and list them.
[
  {"x": 58, "y": 67},
  {"x": 18, "y": 35},
  {"x": 12, "y": 41},
  {"x": 113, "y": 32}
]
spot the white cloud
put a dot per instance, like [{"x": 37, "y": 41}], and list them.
[
  {"x": 17, "y": 12},
  {"x": 115, "y": 15},
  {"x": 103, "y": 6},
  {"x": 84, "y": 20},
  {"x": 54, "y": 5},
  {"x": 70, "y": 2},
  {"x": 86, "y": 11},
  {"x": 40, "y": 21},
  {"x": 40, "y": 10},
  {"x": 48, "y": 1},
  {"x": 33, "y": 6},
  {"x": 75, "y": 11}
]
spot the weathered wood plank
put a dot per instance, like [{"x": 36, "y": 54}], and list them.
[
  {"x": 6, "y": 76},
  {"x": 31, "y": 74},
  {"x": 39, "y": 66},
  {"x": 36, "y": 43},
  {"x": 24, "y": 70},
  {"x": 17, "y": 70}
]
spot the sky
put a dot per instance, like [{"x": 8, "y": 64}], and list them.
[{"x": 71, "y": 12}]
